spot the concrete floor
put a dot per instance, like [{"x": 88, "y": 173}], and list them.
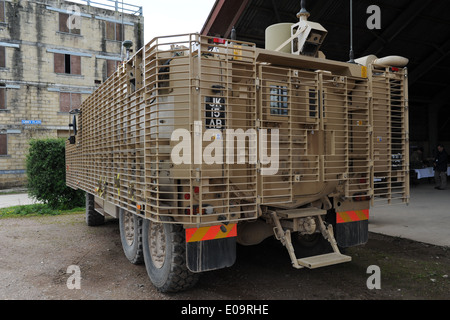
[{"x": 425, "y": 219}]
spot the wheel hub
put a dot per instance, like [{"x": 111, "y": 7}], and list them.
[
  {"x": 157, "y": 241},
  {"x": 129, "y": 227}
]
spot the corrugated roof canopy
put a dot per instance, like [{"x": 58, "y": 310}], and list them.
[{"x": 416, "y": 29}]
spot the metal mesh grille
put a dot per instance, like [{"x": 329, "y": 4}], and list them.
[
  {"x": 202, "y": 89},
  {"x": 324, "y": 127},
  {"x": 289, "y": 104},
  {"x": 177, "y": 134},
  {"x": 390, "y": 134}
]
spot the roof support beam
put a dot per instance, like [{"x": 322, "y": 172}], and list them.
[
  {"x": 213, "y": 16},
  {"x": 441, "y": 97},
  {"x": 224, "y": 16},
  {"x": 433, "y": 59},
  {"x": 238, "y": 15},
  {"x": 275, "y": 9}
]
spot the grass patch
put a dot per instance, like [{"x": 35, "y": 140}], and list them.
[
  {"x": 11, "y": 192},
  {"x": 35, "y": 210}
]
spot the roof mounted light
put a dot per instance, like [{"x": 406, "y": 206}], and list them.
[{"x": 219, "y": 40}]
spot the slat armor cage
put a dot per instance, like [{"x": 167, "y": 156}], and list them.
[{"x": 175, "y": 134}]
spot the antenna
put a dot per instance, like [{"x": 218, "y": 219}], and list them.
[
  {"x": 352, "y": 55},
  {"x": 123, "y": 28},
  {"x": 123, "y": 32},
  {"x": 233, "y": 34},
  {"x": 303, "y": 12},
  {"x": 127, "y": 44}
]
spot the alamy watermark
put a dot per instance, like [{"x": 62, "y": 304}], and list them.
[
  {"x": 374, "y": 281},
  {"x": 74, "y": 20},
  {"x": 374, "y": 21},
  {"x": 74, "y": 281},
  {"x": 252, "y": 147}
]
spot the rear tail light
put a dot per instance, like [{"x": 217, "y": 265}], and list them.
[
  {"x": 361, "y": 197},
  {"x": 196, "y": 211}
]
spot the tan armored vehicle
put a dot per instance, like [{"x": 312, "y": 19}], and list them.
[{"x": 197, "y": 144}]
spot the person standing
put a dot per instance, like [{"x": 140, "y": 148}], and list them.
[
  {"x": 417, "y": 159},
  {"x": 440, "y": 168}
]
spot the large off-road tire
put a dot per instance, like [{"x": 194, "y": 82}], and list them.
[
  {"x": 165, "y": 257},
  {"x": 130, "y": 226},
  {"x": 93, "y": 218}
]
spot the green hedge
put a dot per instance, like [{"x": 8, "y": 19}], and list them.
[{"x": 46, "y": 171}]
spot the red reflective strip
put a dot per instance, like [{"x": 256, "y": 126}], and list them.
[
  {"x": 212, "y": 233},
  {"x": 233, "y": 232},
  {"x": 351, "y": 216},
  {"x": 189, "y": 234},
  {"x": 366, "y": 214},
  {"x": 339, "y": 218}
]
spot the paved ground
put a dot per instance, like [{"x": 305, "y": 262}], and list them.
[
  {"x": 38, "y": 256},
  {"x": 408, "y": 269},
  {"x": 425, "y": 219},
  {"x": 10, "y": 200}
]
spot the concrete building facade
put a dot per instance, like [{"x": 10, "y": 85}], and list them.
[{"x": 54, "y": 54}]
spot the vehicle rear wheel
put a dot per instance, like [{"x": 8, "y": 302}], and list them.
[
  {"x": 93, "y": 218},
  {"x": 165, "y": 257},
  {"x": 130, "y": 226}
]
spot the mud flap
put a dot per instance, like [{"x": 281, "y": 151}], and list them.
[
  {"x": 350, "y": 234},
  {"x": 211, "y": 254}
]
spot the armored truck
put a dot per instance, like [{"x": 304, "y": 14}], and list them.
[{"x": 199, "y": 144}]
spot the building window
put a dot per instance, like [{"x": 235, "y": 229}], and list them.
[
  {"x": 2, "y": 12},
  {"x": 64, "y": 24},
  {"x": 3, "y": 145},
  {"x": 111, "y": 67},
  {"x": 114, "y": 31},
  {"x": 68, "y": 64},
  {"x": 69, "y": 101},
  {"x": 278, "y": 100},
  {"x": 2, "y": 96},
  {"x": 2, "y": 57}
]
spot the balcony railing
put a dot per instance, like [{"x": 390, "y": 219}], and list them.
[{"x": 114, "y": 5}]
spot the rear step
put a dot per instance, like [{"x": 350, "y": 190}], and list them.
[
  {"x": 323, "y": 260},
  {"x": 315, "y": 261}
]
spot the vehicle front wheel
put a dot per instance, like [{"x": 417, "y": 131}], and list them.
[{"x": 93, "y": 218}]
